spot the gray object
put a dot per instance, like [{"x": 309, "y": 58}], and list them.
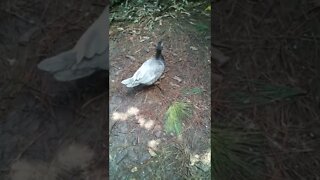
[
  {"x": 89, "y": 55},
  {"x": 149, "y": 72}
]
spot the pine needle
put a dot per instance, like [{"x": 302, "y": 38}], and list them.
[{"x": 174, "y": 115}]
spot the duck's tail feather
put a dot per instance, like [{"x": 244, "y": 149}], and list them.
[
  {"x": 130, "y": 82},
  {"x": 59, "y": 62},
  {"x": 73, "y": 74},
  {"x": 65, "y": 68}
]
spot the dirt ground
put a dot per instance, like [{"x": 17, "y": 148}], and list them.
[
  {"x": 47, "y": 128},
  {"x": 271, "y": 79},
  {"x": 58, "y": 130},
  {"x": 137, "y": 116}
]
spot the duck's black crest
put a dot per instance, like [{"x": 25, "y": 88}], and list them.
[{"x": 158, "y": 50}]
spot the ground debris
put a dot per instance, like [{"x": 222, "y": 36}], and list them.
[
  {"x": 177, "y": 79},
  {"x": 173, "y": 84},
  {"x": 130, "y": 57}
]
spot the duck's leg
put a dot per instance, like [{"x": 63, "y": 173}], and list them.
[{"x": 156, "y": 84}]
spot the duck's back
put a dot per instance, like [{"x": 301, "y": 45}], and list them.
[{"x": 149, "y": 72}]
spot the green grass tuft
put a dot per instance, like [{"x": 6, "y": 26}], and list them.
[
  {"x": 237, "y": 154},
  {"x": 174, "y": 115}
]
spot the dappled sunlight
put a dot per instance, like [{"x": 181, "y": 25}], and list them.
[
  {"x": 132, "y": 111},
  {"x": 204, "y": 158},
  {"x": 147, "y": 124},
  {"x": 119, "y": 116},
  {"x": 153, "y": 146},
  {"x": 141, "y": 121}
]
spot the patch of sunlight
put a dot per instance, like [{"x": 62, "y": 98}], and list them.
[
  {"x": 141, "y": 121},
  {"x": 132, "y": 111},
  {"x": 204, "y": 158},
  {"x": 148, "y": 124},
  {"x": 153, "y": 146},
  {"x": 119, "y": 116}
]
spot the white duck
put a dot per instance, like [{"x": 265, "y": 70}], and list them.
[
  {"x": 149, "y": 72},
  {"x": 89, "y": 55}
]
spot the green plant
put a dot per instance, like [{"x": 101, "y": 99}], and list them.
[
  {"x": 174, "y": 115},
  {"x": 237, "y": 154}
]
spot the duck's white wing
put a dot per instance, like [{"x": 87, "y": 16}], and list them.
[{"x": 149, "y": 72}]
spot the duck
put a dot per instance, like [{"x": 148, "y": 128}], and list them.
[
  {"x": 89, "y": 55},
  {"x": 149, "y": 72}
]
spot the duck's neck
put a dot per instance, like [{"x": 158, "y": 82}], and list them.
[{"x": 158, "y": 53}]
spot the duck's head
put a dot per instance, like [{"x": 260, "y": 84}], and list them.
[{"x": 159, "y": 45}]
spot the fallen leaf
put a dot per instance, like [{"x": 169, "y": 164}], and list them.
[
  {"x": 177, "y": 78},
  {"x": 130, "y": 57},
  {"x": 173, "y": 84},
  {"x": 193, "y": 48}
]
